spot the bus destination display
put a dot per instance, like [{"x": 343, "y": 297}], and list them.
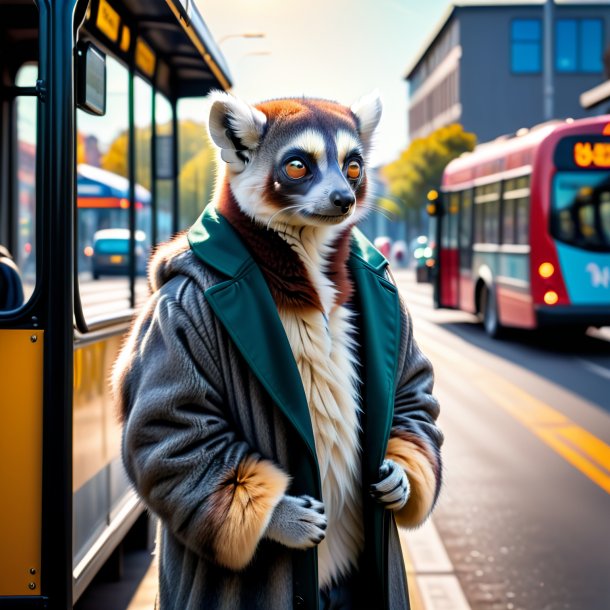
[{"x": 583, "y": 152}]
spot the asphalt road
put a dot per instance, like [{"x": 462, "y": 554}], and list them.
[
  {"x": 524, "y": 513},
  {"x": 525, "y": 509}
]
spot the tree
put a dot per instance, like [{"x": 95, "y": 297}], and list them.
[
  {"x": 196, "y": 185},
  {"x": 420, "y": 167},
  {"x": 192, "y": 139}
]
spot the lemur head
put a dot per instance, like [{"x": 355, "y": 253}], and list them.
[{"x": 299, "y": 162}]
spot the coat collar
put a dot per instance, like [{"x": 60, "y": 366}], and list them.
[{"x": 219, "y": 245}]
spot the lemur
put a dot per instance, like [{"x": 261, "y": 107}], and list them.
[{"x": 296, "y": 182}]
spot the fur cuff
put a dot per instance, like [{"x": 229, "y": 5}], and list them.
[
  {"x": 422, "y": 470},
  {"x": 245, "y": 504}
]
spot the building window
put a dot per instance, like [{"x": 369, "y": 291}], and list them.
[
  {"x": 578, "y": 45},
  {"x": 526, "y": 43}
]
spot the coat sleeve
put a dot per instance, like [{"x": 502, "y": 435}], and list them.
[
  {"x": 180, "y": 451},
  {"x": 415, "y": 439}
]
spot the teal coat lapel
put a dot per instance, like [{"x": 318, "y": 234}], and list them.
[
  {"x": 379, "y": 306},
  {"x": 246, "y": 309}
]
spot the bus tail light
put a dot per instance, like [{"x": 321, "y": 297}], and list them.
[
  {"x": 546, "y": 270},
  {"x": 551, "y": 297}
]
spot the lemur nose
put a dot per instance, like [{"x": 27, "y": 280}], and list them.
[{"x": 343, "y": 199}]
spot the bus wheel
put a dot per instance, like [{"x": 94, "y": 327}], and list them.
[{"x": 489, "y": 307}]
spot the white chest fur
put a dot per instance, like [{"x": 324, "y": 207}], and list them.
[
  {"x": 324, "y": 359},
  {"x": 323, "y": 347}
]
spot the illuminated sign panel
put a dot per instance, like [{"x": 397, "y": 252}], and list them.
[
  {"x": 108, "y": 20},
  {"x": 145, "y": 57},
  {"x": 591, "y": 152}
]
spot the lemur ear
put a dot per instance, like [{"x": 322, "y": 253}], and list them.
[
  {"x": 235, "y": 127},
  {"x": 368, "y": 112}
]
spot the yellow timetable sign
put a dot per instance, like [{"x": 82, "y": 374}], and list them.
[
  {"x": 108, "y": 20},
  {"x": 145, "y": 57},
  {"x": 592, "y": 154}
]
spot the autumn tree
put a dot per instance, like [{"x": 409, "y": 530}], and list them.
[
  {"x": 192, "y": 139},
  {"x": 420, "y": 167}
]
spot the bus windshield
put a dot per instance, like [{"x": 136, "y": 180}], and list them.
[{"x": 580, "y": 214}]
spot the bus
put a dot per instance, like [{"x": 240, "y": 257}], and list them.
[
  {"x": 523, "y": 229},
  {"x": 99, "y": 102}
]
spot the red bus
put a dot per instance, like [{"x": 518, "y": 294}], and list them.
[{"x": 524, "y": 229}]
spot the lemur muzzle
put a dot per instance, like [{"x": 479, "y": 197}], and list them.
[{"x": 343, "y": 199}]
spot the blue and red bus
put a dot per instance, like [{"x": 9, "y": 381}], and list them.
[{"x": 523, "y": 230}]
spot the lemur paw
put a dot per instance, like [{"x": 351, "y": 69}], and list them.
[
  {"x": 298, "y": 522},
  {"x": 393, "y": 488}
]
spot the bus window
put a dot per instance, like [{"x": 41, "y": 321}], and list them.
[
  {"x": 466, "y": 231},
  {"x": 143, "y": 103},
  {"x": 522, "y": 204},
  {"x": 24, "y": 253},
  {"x": 515, "y": 211},
  {"x": 487, "y": 213},
  {"x": 580, "y": 213},
  {"x": 196, "y": 161},
  {"x": 165, "y": 166},
  {"x": 103, "y": 199}
]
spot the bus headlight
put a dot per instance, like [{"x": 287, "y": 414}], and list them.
[{"x": 546, "y": 270}]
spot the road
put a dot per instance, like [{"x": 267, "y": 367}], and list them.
[
  {"x": 524, "y": 515},
  {"x": 524, "y": 512}
]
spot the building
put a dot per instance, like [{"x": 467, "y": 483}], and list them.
[
  {"x": 483, "y": 66},
  {"x": 598, "y": 98}
]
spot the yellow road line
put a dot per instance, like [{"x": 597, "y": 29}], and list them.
[{"x": 573, "y": 443}]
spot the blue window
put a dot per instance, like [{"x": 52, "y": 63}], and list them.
[
  {"x": 578, "y": 45},
  {"x": 526, "y": 43}
]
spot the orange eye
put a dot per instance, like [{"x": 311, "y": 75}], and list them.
[
  {"x": 295, "y": 169},
  {"x": 353, "y": 170}
]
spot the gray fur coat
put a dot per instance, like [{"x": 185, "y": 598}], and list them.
[{"x": 198, "y": 424}]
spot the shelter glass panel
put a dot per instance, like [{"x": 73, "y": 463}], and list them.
[
  {"x": 103, "y": 195},
  {"x": 24, "y": 255},
  {"x": 164, "y": 132},
  {"x": 196, "y": 162},
  {"x": 143, "y": 119}
]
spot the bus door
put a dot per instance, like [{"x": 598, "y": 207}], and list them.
[
  {"x": 22, "y": 338},
  {"x": 449, "y": 253}
]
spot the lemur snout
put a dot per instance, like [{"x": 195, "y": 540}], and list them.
[{"x": 343, "y": 199}]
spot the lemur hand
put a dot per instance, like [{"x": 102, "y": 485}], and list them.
[
  {"x": 298, "y": 522},
  {"x": 393, "y": 488}
]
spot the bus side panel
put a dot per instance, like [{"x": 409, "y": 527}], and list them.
[
  {"x": 21, "y": 368},
  {"x": 515, "y": 308},
  {"x": 514, "y": 291},
  {"x": 467, "y": 291}
]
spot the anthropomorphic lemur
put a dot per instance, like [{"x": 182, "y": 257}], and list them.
[{"x": 278, "y": 413}]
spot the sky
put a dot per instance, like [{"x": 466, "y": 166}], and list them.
[{"x": 334, "y": 49}]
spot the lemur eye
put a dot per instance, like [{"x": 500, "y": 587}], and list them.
[
  {"x": 354, "y": 169},
  {"x": 295, "y": 169}
]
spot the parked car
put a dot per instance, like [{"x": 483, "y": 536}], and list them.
[
  {"x": 111, "y": 252},
  {"x": 423, "y": 255}
]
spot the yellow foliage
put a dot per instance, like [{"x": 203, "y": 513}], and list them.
[{"x": 419, "y": 168}]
